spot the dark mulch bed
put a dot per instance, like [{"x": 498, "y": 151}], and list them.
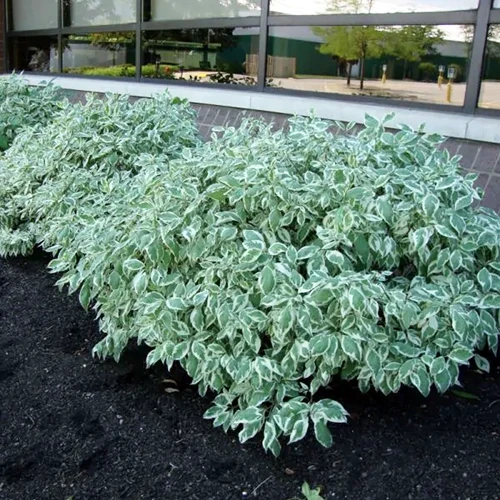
[{"x": 73, "y": 427}]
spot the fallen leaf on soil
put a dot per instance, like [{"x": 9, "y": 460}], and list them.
[
  {"x": 465, "y": 395},
  {"x": 289, "y": 472},
  {"x": 169, "y": 381}
]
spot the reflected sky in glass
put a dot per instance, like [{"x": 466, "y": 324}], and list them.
[{"x": 314, "y": 7}]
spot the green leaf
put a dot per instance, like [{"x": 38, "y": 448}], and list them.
[
  {"x": 405, "y": 350},
  {"x": 270, "y": 435},
  {"x": 176, "y": 304},
  {"x": 447, "y": 182},
  {"x": 133, "y": 265},
  {"x": 443, "y": 380},
  {"x": 437, "y": 366},
  {"x": 196, "y": 319},
  {"x": 140, "y": 283},
  {"x": 328, "y": 410},
  {"x": 213, "y": 412},
  {"x": 85, "y": 295},
  {"x": 351, "y": 348},
  {"x": 321, "y": 297},
  {"x": 267, "y": 280},
  {"x": 445, "y": 231},
  {"x": 307, "y": 252},
  {"x": 490, "y": 301},
  {"x": 482, "y": 363},
  {"x": 274, "y": 220},
  {"x": 460, "y": 355},
  {"x": 373, "y": 361},
  {"x": 385, "y": 210},
  {"x": 319, "y": 344},
  {"x": 485, "y": 279},
  {"x": 323, "y": 434},
  {"x": 249, "y": 431},
  {"x": 115, "y": 280},
  {"x": 430, "y": 205},
  {"x": 457, "y": 223},
  {"x": 200, "y": 298},
  {"x": 420, "y": 238},
  {"x": 458, "y": 321},
  {"x": 181, "y": 350},
  {"x": 286, "y": 318},
  {"x": 420, "y": 379},
  {"x": 463, "y": 202},
  {"x": 362, "y": 248},
  {"x": 247, "y": 416},
  {"x": 277, "y": 248},
  {"x": 299, "y": 429},
  {"x": 228, "y": 233},
  {"x": 455, "y": 260}
]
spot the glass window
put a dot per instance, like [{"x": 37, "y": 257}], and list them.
[
  {"x": 490, "y": 88},
  {"x": 98, "y": 12},
  {"x": 37, "y": 54},
  {"x": 496, "y": 4},
  {"x": 166, "y": 10},
  {"x": 100, "y": 54},
  {"x": 316, "y": 7},
  {"x": 34, "y": 15},
  {"x": 219, "y": 55},
  {"x": 411, "y": 63}
]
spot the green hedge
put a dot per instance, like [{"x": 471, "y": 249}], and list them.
[{"x": 125, "y": 70}]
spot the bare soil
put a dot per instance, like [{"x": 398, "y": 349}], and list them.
[{"x": 75, "y": 428}]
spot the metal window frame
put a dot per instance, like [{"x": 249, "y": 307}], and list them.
[{"x": 481, "y": 18}]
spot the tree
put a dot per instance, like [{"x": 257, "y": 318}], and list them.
[
  {"x": 412, "y": 43},
  {"x": 353, "y": 44},
  {"x": 492, "y": 43}
]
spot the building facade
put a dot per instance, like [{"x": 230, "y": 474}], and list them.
[
  {"x": 430, "y": 54},
  {"x": 433, "y": 61}
]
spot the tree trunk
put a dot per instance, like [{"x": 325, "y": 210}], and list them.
[
  {"x": 362, "y": 72},
  {"x": 404, "y": 68},
  {"x": 349, "y": 69}
]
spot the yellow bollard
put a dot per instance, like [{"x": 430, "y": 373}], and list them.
[
  {"x": 451, "y": 77},
  {"x": 384, "y": 73},
  {"x": 384, "y": 78},
  {"x": 449, "y": 91},
  {"x": 441, "y": 77}
]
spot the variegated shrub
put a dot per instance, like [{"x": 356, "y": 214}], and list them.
[
  {"x": 23, "y": 106},
  {"x": 54, "y": 169},
  {"x": 268, "y": 263}
]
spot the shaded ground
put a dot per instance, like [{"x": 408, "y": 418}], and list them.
[{"x": 74, "y": 428}]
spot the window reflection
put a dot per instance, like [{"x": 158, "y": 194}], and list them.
[
  {"x": 100, "y": 54},
  {"x": 37, "y": 54},
  {"x": 30, "y": 15},
  {"x": 316, "y": 7},
  {"x": 223, "y": 55},
  {"x": 162, "y": 10},
  {"x": 411, "y": 63},
  {"x": 98, "y": 12},
  {"x": 490, "y": 88}
]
